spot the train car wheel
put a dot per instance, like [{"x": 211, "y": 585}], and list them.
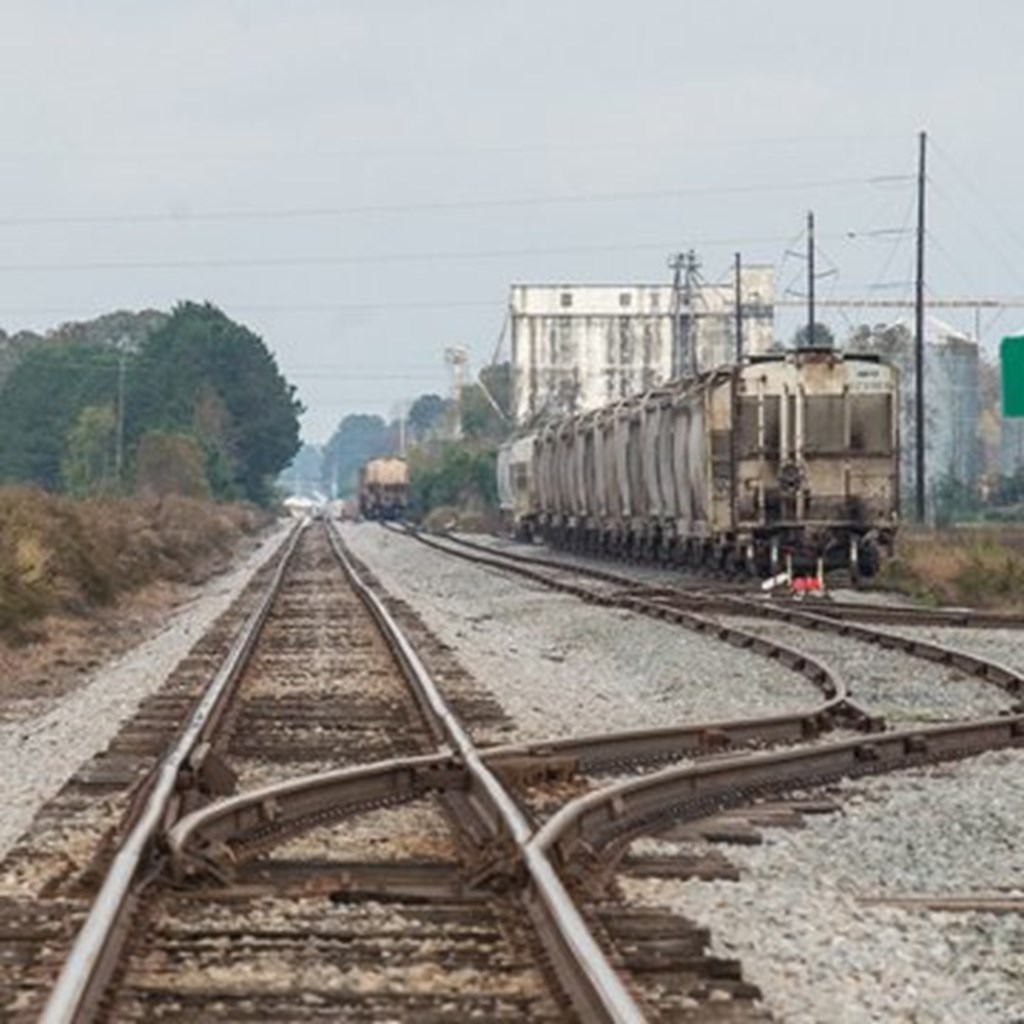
[{"x": 868, "y": 560}]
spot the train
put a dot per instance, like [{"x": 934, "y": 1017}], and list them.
[
  {"x": 384, "y": 488},
  {"x": 785, "y": 462}
]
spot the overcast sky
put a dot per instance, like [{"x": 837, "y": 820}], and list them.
[{"x": 360, "y": 182}]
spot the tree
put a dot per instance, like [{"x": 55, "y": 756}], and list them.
[
  {"x": 460, "y": 475},
  {"x": 424, "y": 414},
  {"x": 821, "y": 338},
  {"x": 203, "y": 375},
  {"x": 485, "y": 406},
  {"x": 168, "y": 463},
  {"x": 41, "y": 401},
  {"x": 360, "y": 436},
  {"x": 497, "y": 379},
  {"x": 87, "y": 466}
]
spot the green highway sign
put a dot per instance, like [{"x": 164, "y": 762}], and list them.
[{"x": 1011, "y": 359}]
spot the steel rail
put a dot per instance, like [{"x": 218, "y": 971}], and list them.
[
  {"x": 963, "y": 618},
  {"x": 614, "y": 814},
  {"x": 967, "y": 618},
  {"x": 649, "y": 746},
  {"x": 199, "y": 840},
  {"x": 665, "y": 603},
  {"x": 210, "y": 838},
  {"x": 825, "y": 678},
  {"x": 517, "y": 556},
  {"x": 590, "y": 981},
  {"x": 987, "y": 669},
  {"x": 94, "y": 953}
]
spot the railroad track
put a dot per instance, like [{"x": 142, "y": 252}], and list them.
[
  {"x": 764, "y": 790},
  {"x": 169, "y": 953},
  {"x": 751, "y": 621},
  {"x": 722, "y": 594},
  {"x": 261, "y": 904},
  {"x": 49, "y": 877}
]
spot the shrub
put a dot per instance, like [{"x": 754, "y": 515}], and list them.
[
  {"x": 61, "y": 555},
  {"x": 981, "y": 566}
]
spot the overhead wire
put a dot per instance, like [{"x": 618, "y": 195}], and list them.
[
  {"x": 287, "y": 307},
  {"x": 899, "y": 236},
  {"x": 184, "y": 217},
  {"x": 978, "y": 193},
  {"x": 395, "y": 257},
  {"x": 648, "y": 142},
  {"x": 971, "y": 225}
]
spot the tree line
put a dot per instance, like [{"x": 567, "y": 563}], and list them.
[
  {"x": 451, "y": 447},
  {"x": 196, "y": 406}
]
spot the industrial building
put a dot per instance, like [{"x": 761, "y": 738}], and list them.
[{"x": 577, "y": 347}]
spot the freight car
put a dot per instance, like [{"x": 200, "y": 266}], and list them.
[
  {"x": 785, "y": 461},
  {"x": 384, "y": 489}
]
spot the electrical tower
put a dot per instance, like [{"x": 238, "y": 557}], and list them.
[{"x": 684, "y": 290}]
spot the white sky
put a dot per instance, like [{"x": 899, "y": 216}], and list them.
[{"x": 362, "y": 145}]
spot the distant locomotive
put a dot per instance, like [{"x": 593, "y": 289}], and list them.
[
  {"x": 785, "y": 461},
  {"x": 384, "y": 489}
]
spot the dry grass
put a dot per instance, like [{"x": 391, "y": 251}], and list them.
[
  {"x": 451, "y": 517},
  {"x": 64, "y": 557},
  {"x": 981, "y": 567}
]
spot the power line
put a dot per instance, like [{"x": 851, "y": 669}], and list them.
[
  {"x": 397, "y": 257},
  {"x": 289, "y": 307},
  {"x": 971, "y": 224},
  {"x": 405, "y": 152},
  {"x": 966, "y": 302},
  {"x": 979, "y": 195},
  {"x": 301, "y": 213}
]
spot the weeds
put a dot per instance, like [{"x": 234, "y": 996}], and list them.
[
  {"x": 60, "y": 555},
  {"x": 978, "y": 567}
]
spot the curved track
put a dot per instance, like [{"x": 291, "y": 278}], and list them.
[{"x": 254, "y": 872}]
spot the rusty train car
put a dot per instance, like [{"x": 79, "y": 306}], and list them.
[
  {"x": 785, "y": 461},
  {"x": 384, "y": 489}
]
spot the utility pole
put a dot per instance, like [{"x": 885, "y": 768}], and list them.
[
  {"x": 122, "y": 346},
  {"x": 457, "y": 357},
  {"x": 810, "y": 279},
  {"x": 919, "y": 334},
  {"x": 739, "y": 309}
]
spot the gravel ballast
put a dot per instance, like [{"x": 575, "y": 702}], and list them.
[
  {"x": 801, "y": 918},
  {"x": 39, "y": 754},
  {"x": 796, "y": 918},
  {"x": 562, "y": 668},
  {"x": 902, "y": 688},
  {"x": 1005, "y": 646}
]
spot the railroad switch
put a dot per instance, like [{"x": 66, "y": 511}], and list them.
[{"x": 209, "y": 773}]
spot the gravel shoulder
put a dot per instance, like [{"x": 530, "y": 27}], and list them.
[
  {"x": 1005, "y": 646},
  {"x": 800, "y": 920},
  {"x": 46, "y": 742},
  {"x": 902, "y": 688},
  {"x": 799, "y": 917},
  {"x": 561, "y": 668}
]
